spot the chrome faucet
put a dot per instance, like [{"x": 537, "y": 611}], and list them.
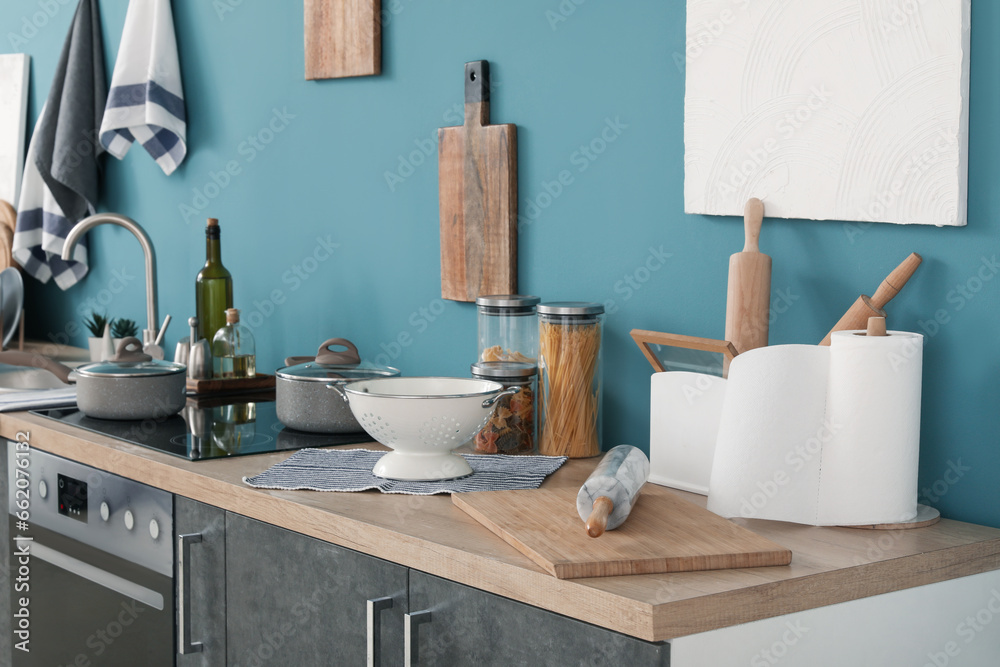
[{"x": 81, "y": 228}]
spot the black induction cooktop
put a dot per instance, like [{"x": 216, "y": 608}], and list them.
[{"x": 237, "y": 428}]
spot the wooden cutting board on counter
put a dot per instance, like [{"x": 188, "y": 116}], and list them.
[
  {"x": 662, "y": 534},
  {"x": 477, "y": 190}
]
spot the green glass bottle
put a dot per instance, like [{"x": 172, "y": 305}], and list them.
[{"x": 214, "y": 286}]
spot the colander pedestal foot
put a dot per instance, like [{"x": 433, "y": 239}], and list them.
[{"x": 421, "y": 467}]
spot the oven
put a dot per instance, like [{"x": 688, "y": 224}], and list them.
[{"x": 91, "y": 569}]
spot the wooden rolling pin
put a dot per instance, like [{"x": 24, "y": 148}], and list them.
[
  {"x": 606, "y": 498},
  {"x": 866, "y": 307},
  {"x": 748, "y": 301}
]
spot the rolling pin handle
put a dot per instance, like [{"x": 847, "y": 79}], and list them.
[
  {"x": 753, "y": 218},
  {"x": 895, "y": 281},
  {"x": 598, "y": 520},
  {"x": 876, "y": 326}
]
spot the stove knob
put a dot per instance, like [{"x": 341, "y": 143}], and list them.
[
  {"x": 129, "y": 520},
  {"x": 105, "y": 511},
  {"x": 154, "y": 529},
  {"x": 43, "y": 489}
]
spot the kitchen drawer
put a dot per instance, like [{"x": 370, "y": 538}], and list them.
[{"x": 471, "y": 627}]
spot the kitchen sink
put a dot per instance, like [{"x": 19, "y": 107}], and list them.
[{"x": 16, "y": 378}]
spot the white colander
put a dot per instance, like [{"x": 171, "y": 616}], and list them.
[{"x": 422, "y": 419}]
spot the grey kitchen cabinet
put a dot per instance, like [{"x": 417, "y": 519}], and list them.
[
  {"x": 201, "y": 583},
  {"x": 468, "y": 626},
  {"x": 296, "y": 600}
]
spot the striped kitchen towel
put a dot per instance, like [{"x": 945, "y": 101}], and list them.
[
  {"x": 351, "y": 470},
  {"x": 146, "y": 101},
  {"x": 60, "y": 185}
]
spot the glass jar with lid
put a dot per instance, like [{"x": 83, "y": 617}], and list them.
[
  {"x": 508, "y": 329},
  {"x": 570, "y": 378},
  {"x": 512, "y": 428}
]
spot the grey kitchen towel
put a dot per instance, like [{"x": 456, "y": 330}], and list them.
[
  {"x": 351, "y": 470},
  {"x": 60, "y": 185}
]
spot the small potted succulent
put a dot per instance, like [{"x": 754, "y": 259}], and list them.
[
  {"x": 123, "y": 329},
  {"x": 96, "y": 325},
  {"x": 120, "y": 328}
]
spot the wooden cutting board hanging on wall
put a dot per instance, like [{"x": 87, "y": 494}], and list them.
[
  {"x": 477, "y": 181},
  {"x": 343, "y": 38}
]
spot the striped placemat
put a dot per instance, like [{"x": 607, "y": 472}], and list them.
[{"x": 351, "y": 470}]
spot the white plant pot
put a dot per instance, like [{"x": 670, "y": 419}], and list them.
[{"x": 96, "y": 345}]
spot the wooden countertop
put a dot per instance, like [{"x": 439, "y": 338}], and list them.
[{"x": 829, "y": 565}]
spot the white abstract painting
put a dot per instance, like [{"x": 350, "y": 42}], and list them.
[
  {"x": 13, "y": 118},
  {"x": 828, "y": 109}
]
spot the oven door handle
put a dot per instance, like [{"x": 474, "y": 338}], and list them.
[{"x": 98, "y": 576}]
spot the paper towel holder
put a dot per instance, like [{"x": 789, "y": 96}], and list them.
[{"x": 645, "y": 338}]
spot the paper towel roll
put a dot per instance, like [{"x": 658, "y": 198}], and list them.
[{"x": 823, "y": 436}]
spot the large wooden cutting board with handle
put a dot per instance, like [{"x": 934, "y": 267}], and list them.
[
  {"x": 664, "y": 533},
  {"x": 477, "y": 176}
]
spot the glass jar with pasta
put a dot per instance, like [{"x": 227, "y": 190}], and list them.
[
  {"x": 570, "y": 378},
  {"x": 508, "y": 329},
  {"x": 511, "y": 427}
]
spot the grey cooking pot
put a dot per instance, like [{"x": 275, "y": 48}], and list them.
[
  {"x": 129, "y": 386},
  {"x": 305, "y": 404}
]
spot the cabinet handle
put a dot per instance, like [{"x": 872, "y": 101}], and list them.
[
  {"x": 185, "y": 645},
  {"x": 375, "y": 609},
  {"x": 411, "y": 632}
]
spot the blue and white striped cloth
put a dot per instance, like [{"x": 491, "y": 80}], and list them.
[
  {"x": 146, "y": 102},
  {"x": 351, "y": 470},
  {"x": 60, "y": 185}
]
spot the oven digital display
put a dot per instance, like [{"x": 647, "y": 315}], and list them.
[{"x": 72, "y": 498}]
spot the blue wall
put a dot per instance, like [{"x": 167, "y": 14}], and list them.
[{"x": 324, "y": 177}]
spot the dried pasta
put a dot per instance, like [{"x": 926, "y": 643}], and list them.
[
  {"x": 497, "y": 353},
  {"x": 568, "y": 391}
]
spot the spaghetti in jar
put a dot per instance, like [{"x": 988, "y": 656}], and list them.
[{"x": 570, "y": 378}]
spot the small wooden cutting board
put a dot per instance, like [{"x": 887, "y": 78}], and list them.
[
  {"x": 477, "y": 192},
  {"x": 664, "y": 533}
]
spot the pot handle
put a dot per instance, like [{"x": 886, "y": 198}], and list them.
[
  {"x": 331, "y": 357},
  {"x": 34, "y": 360},
  {"x": 338, "y": 387},
  {"x": 130, "y": 350},
  {"x": 490, "y": 402}
]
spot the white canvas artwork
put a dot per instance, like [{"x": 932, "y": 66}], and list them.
[
  {"x": 828, "y": 109},
  {"x": 13, "y": 119}
]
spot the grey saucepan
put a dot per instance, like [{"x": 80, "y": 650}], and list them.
[
  {"x": 305, "y": 404},
  {"x": 129, "y": 386}
]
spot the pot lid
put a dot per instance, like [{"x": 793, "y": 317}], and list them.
[
  {"x": 312, "y": 371},
  {"x": 330, "y": 364},
  {"x": 130, "y": 361}
]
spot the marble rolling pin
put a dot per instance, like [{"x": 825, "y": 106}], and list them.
[
  {"x": 606, "y": 498},
  {"x": 873, "y": 306}
]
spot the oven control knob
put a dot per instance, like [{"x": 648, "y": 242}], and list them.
[
  {"x": 154, "y": 529},
  {"x": 43, "y": 489},
  {"x": 129, "y": 520},
  {"x": 105, "y": 510}
]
